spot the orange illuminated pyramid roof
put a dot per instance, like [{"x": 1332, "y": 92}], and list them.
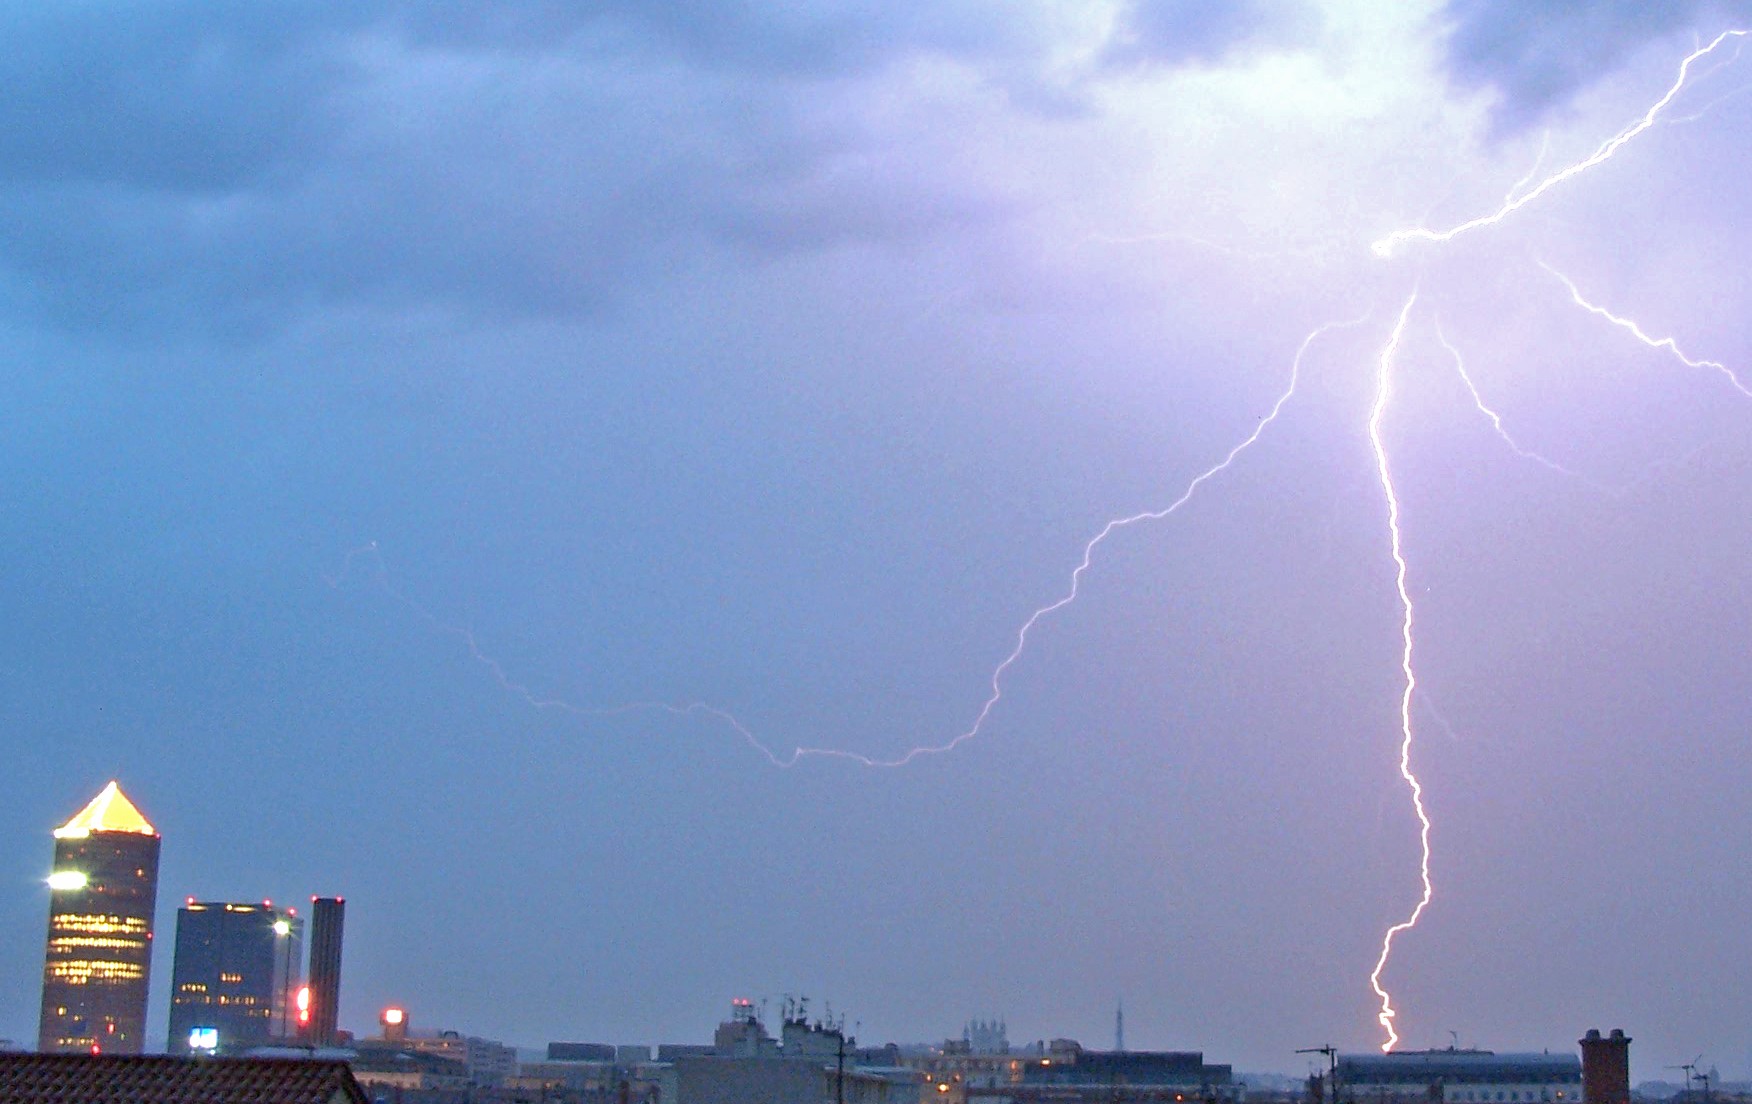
[{"x": 109, "y": 811}]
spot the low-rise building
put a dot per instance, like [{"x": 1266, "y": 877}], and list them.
[
  {"x": 489, "y": 1064},
  {"x": 713, "y": 1080},
  {"x": 580, "y": 1052},
  {"x": 409, "y": 1071},
  {"x": 570, "y": 1076},
  {"x": 1455, "y": 1076},
  {"x": 1068, "y": 1072}
]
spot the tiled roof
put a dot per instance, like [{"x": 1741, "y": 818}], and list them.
[
  {"x": 109, "y": 811},
  {"x": 163, "y": 1079}
]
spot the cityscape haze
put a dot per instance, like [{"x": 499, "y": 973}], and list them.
[{"x": 990, "y": 513}]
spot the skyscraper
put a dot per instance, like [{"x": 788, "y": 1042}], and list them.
[
  {"x": 103, "y": 889},
  {"x": 326, "y": 916},
  {"x": 236, "y": 968}
]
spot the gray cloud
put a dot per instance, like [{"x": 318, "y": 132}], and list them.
[
  {"x": 502, "y": 157},
  {"x": 1539, "y": 54},
  {"x": 208, "y": 163}
]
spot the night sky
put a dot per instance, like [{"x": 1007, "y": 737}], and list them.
[{"x": 395, "y": 393}]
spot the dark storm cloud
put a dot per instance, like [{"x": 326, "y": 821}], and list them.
[
  {"x": 179, "y": 97},
  {"x": 216, "y": 163},
  {"x": 1539, "y": 54},
  {"x": 435, "y": 188},
  {"x": 230, "y": 154}
]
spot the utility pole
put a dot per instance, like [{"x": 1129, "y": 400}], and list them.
[
  {"x": 839, "y": 1077},
  {"x": 1331, "y": 1053}
]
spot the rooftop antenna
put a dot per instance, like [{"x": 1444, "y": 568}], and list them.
[{"x": 1690, "y": 1069}]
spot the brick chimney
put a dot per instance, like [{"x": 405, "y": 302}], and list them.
[{"x": 1606, "y": 1067}]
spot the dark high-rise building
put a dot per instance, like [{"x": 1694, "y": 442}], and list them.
[
  {"x": 326, "y": 915},
  {"x": 236, "y": 968},
  {"x": 102, "y": 892}
]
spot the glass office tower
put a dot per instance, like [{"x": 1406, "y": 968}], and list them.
[
  {"x": 232, "y": 983},
  {"x": 102, "y": 893}
]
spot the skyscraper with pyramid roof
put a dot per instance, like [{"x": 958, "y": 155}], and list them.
[{"x": 103, "y": 890}]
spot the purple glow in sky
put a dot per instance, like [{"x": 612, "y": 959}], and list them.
[{"x": 778, "y": 367}]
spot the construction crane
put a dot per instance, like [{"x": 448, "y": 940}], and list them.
[{"x": 1331, "y": 1053}]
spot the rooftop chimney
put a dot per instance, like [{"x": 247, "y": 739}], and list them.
[{"x": 1606, "y": 1067}]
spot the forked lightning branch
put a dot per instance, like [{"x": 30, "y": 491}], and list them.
[{"x": 1394, "y": 246}]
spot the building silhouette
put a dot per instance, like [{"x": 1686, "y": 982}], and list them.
[
  {"x": 326, "y": 917},
  {"x": 232, "y": 984},
  {"x": 1606, "y": 1067},
  {"x": 103, "y": 889},
  {"x": 1456, "y": 1076}
]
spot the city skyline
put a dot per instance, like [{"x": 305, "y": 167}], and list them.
[
  {"x": 247, "y": 956},
  {"x": 530, "y": 470}
]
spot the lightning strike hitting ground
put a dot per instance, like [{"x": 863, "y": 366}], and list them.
[
  {"x": 1385, "y": 247},
  {"x": 693, "y": 709},
  {"x": 1635, "y": 330},
  {"x": 1383, "y": 391}
]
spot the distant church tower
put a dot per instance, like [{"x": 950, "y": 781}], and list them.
[{"x": 1119, "y": 1025}]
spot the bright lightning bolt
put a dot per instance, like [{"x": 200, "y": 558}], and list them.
[
  {"x": 1386, "y": 246},
  {"x": 1637, "y": 331},
  {"x": 1383, "y": 391}
]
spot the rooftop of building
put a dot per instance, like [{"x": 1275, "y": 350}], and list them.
[
  {"x": 109, "y": 811},
  {"x": 192, "y": 905},
  {"x": 1074, "y": 1065},
  {"x": 162, "y": 1079},
  {"x": 1421, "y": 1066}
]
